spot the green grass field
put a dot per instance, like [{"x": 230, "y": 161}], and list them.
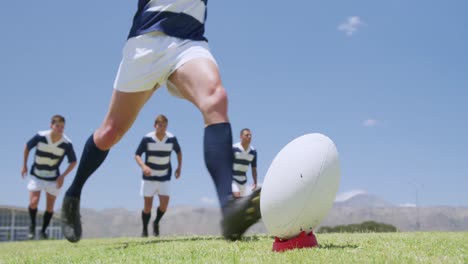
[{"x": 430, "y": 247}]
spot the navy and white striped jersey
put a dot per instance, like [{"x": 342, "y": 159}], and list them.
[
  {"x": 49, "y": 155},
  {"x": 242, "y": 159},
  {"x": 183, "y": 19},
  {"x": 158, "y": 155}
]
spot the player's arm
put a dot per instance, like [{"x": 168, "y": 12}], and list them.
[
  {"x": 146, "y": 170},
  {"x": 70, "y": 167},
  {"x": 71, "y": 156},
  {"x": 179, "y": 164},
  {"x": 61, "y": 178},
  {"x": 178, "y": 150},
  {"x": 139, "y": 152},
  {"x": 254, "y": 171},
  {"x": 24, "y": 170},
  {"x": 254, "y": 177},
  {"x": 29, "y": 145}
]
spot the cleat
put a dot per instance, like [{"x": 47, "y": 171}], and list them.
[
  {"x": 32, "y": 233},
  {"x": 43, "y": 235},
  {"x": 239, "y": 214},
  {"x": 155, "y": 229},
  {"x": 144, "y": 233},
  {"x": 71, "y": 219}
]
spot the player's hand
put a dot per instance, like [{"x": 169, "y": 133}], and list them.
[
  {"x": 60, "y": 181},
  {"x": 24, "y": 171},
  {"x": 146, "y": 171},
  {"x": 177, "y": 172},
  {"x": 254, "y": 186}
]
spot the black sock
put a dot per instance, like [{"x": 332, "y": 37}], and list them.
[
  {"x": 46, "y": 221},
  {"x": 219, "y": 158},
  {"x": 91, "y": 159},
  {"x": 145, "y": 217},
  {"x": 32, "y": 215},
  {"x": 159, "y": 215}
]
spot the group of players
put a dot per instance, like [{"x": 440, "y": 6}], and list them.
[
  {"x": 166, "y": 46},
  {"x": 52, "y": 146}
]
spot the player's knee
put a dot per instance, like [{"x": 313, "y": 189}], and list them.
[
  {"x": 215, "y": 101},
  {"x": 108, "y": 137},
  {"x": 33, "y": 203}
]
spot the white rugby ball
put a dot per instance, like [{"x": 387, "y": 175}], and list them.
[{"x": 300, "y": 186}]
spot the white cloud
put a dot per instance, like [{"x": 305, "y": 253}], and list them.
[
  {"x": 351, "y": 26},
  {"x": 370, "y": 122},
  {"x": 207, "y": 200}
]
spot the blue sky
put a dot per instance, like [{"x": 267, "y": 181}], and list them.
[{"x": 385, "y": 80}]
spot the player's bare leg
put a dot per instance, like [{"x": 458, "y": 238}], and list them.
[
  {"x": 123, "y": 110},
  {"x": 199, "y": 82}
]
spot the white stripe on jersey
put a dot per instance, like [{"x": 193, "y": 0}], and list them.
[
  {"x": 46, "y": 161},
  {"x": 45, "y": 173},
  {"x": 196, "y": 9},
  {"x": 244, "y": 156},
  {"x": 159, "y": 173},
  {"x": 160, "y": 146},
  {"x": 50, "y": 149},
  {"x": 159, "y": 160},
  {"x": 240, "y": 167}
]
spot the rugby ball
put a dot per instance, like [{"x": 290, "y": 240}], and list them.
[{"x": 300, "y": 186}]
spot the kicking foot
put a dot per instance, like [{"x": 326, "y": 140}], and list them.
[
  {"x": 71, "y": 220},
  {"x": 239, "y": 214}
]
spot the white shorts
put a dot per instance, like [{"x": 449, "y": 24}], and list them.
[
  {"x": 152, "y": 188},
  {"x": 240, "y": 188},
  {"x": 36, "y": 184},
  {"x": 149, "y": 59}
]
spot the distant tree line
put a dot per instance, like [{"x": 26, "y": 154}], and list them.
[{"x": 364, "y": 227}]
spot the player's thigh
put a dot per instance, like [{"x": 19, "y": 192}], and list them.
[
  {"x": 123, "y": 111},
  {"x": 34, "y": 197},
  {"x": 51, "y": 189},
  {"x": 197, "y": 79},
  {"x": 124, "y": 108},
  {"x": 35, "y": 186},
  {"x": 50, "y": 201},
  {"x": 148, "y": 202},
  {"x": 148, "y": 188},
  {"x": 163, "y": 202},
  {"x": 244, "y": 191}
]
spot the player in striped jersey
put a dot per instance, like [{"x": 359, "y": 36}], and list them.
[
  {"x": 51, "y": 148},
  {"x": 157, "y": 170},
  {"x": 244, "y": 155},
  {"x": 166, "y": 46}
]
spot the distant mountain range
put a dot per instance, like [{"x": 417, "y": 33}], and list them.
[
  {"x": 360, "y": 199},
  {"x": 348, "y": 208}
]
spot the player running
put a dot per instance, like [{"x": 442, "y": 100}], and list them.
[
  {"x": 51, "y": 148},
  {"x": 157, "y": 170}
]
